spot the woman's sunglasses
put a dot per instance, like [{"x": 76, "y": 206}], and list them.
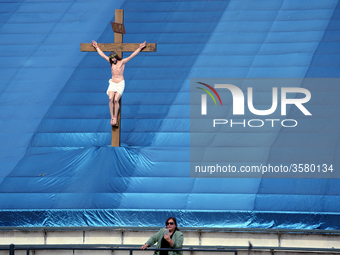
[{"x": 169, "y": 223}]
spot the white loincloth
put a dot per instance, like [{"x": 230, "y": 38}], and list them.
[{"x": 116, "y": 87}]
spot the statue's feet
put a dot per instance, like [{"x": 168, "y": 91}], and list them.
[{"x": 114, "y": 121}]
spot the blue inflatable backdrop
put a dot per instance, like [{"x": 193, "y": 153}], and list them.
[{"x": 57, "y": 166}]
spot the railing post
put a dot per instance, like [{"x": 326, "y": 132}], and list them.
[
  {"x": 11, "y": 249},
  {"x": 131, "y": 251}
]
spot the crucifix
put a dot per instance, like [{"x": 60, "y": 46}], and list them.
[{"x": 119, "y": 47}]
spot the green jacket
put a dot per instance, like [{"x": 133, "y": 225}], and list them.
[{"x": 177, "y": 237}]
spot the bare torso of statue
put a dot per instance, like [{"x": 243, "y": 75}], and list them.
[{"x": 118, "y": 71}]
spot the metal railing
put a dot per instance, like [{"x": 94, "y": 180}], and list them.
[
  {"x": 28, "y": 248},
  {"x": 190, "y": 249}
]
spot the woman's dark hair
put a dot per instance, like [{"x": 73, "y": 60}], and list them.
[{"x": 174, "y": 219}]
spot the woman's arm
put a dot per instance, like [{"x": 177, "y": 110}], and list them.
[
  {"x": 155, "y": 238},
  {"x": 141, "y": 46},
  {"x": 178, "y": 241},
  {"x": 94, "y": 44},
  {"x": 144, "y": 246}
]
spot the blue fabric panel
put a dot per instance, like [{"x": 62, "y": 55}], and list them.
[
  {"x": 234, "y": 219},
  {"x": 323, "y": 64},
  {"x": 34, "y": 68},
  {"x": 57, "y": 166}
]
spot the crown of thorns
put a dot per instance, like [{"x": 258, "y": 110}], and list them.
[{"x": 113, "y": 55}]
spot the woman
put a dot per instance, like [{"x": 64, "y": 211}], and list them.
[{"x": 173, "y": 240}]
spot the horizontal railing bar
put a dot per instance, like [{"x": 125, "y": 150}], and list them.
[
  {"x": 137, "y": 247},
  {"x": 51, "y": 247},
  {"x": 204, "y": 229},
  {"x": 61, "y": 247}
]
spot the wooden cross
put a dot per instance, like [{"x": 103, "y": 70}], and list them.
[{"x": 119, "y": 47}]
